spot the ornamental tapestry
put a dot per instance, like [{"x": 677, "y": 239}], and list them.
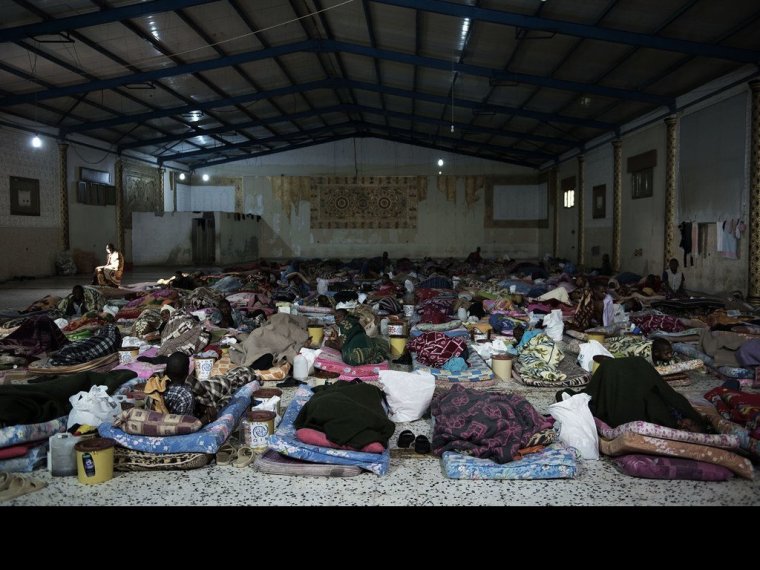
[{"x": 366, "y": 202}]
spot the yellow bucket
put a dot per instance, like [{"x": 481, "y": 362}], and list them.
[
  {"x": 316, "y": 333},
  {"x": 398, "y": 345},
  {"x": 94, "y": 460},
  {"x": 599, "y": 337}
]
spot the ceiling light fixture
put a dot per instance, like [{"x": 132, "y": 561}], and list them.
[{"x": 36, "y": 141}]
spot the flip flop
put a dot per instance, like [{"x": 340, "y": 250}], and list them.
[
  {"x": 19, "y": 486},
  {"x": 245, "y": 456}
]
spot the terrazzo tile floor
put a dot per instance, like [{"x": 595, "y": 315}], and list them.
[{"x": 410, "y": 481}]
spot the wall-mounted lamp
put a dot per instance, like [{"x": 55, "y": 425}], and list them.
[
  {"x": 181, "y": 175},
  {"x": 440, "y": 162},
  {"x": 205, "y": 177},
  {"x": 36, "y": 141}
]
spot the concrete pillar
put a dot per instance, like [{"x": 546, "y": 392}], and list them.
[
  {"x": 63, "y": 170},
  {"x": 581, "y": 221},
  {"x": 671, "y": 172},
  {"x": 120, "y": 205},
  {"x": 617, "y": 203},
  {"x": 754, "y": 200},
  {"x": 555, "y": 199}
]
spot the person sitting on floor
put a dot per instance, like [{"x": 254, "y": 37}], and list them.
[
  {"x": 355, "y": 346},
  {"x": 474, "y": 257},
  {"x": 673, "y": 280},
  {"x": 169, "y": 393},
  {"x": 77, "y": 304},
  {"x": 109, "y": 275},
  {"x": 225, "y": 316},
  {"x": 180, "y": 281}
]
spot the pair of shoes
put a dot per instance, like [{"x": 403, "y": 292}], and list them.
[
  {"x": 405, "y": 439},
  {"x": 244, "y": 456}
]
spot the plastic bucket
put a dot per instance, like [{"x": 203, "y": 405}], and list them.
[
  {"x": 203, "y": 367},
  {"x": 127, "y": 355},
  {"x": 599, "y": 337},
  {"x": 398, "y": 345},
  {"x": 502, "y": 365},
  {"x": 316, "y": 333},
  {"x": 94, "y": 460}
]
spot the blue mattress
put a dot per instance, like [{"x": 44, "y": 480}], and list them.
[
  {"x": 554, "y": 462},
  {"x": 23, "y": 433},
  {"x": 35, "y": 457},
  {"x": 207, "y": 440},
  {"x": 284, "y": 441}
]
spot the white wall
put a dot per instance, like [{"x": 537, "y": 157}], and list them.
[
  {"x": 643, "y": 223},
  {"x": 598, "y": 167},
  {"x": 30, "y": 243},
  {"x": 90, "y": 227},
  {"x": 237, "y": 239},
  {"x": 714, "y": 185},
  {"x": 567, "y": 226},
  {"x": 162, "y": 240},
  {"x": 444, "y": 228}
]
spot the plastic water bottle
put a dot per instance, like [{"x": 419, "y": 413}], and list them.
[{"x": 300, "y": 367}]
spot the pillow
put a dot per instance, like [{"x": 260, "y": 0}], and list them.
[
  {"x": 652, "y": 467},
  {"x": 138, "y": 421}
]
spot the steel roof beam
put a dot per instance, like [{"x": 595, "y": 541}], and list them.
[
  {"x": 96, "y": 18},
  {"x": 339, "y": 84},
  {"x": 322, "y": 46},
  {"x": 461, "y": 127},
  {"x": 578, "y": 30}
]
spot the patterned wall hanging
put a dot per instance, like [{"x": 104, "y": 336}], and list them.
[{"x": 366, "y": 202}]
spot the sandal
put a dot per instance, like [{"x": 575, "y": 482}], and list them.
[
  {"x": 19, "y": 486},
  {"x": 405, "y": 439},
  {"x": 244, "y": 457},
  {"x": 226, "y": 454}
]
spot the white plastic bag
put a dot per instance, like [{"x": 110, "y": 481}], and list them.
[
  {"x": 588, "y": 351},
  {"x": 554, "y": 326},
  {"x": 576, "y": 424},
  {"x": 93, "y": 408},
  {"x": 408, "y": 393},
  {"x": 322, "y": 286}
]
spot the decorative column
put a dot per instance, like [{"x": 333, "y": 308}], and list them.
[
  {"x": 671, "y": 150},
  {"x": 120, "y": 205},
  {"x": 554, "y": 197},
  {"x": 161, "y": 172},
  {"x": 579, "y": 201},
  {"x": 754, "y": 199},
  {"x": 617, "y": 203},
  {"x": 63, "y": 169}
]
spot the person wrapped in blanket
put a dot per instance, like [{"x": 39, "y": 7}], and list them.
[
  {"x": 659, "y": 350},
  {"x": 355, "y": 346},
  {"x": 539, "y": 355},
  {"x": 225, "y": 316},
  {"x": 80, "y": 302}
]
